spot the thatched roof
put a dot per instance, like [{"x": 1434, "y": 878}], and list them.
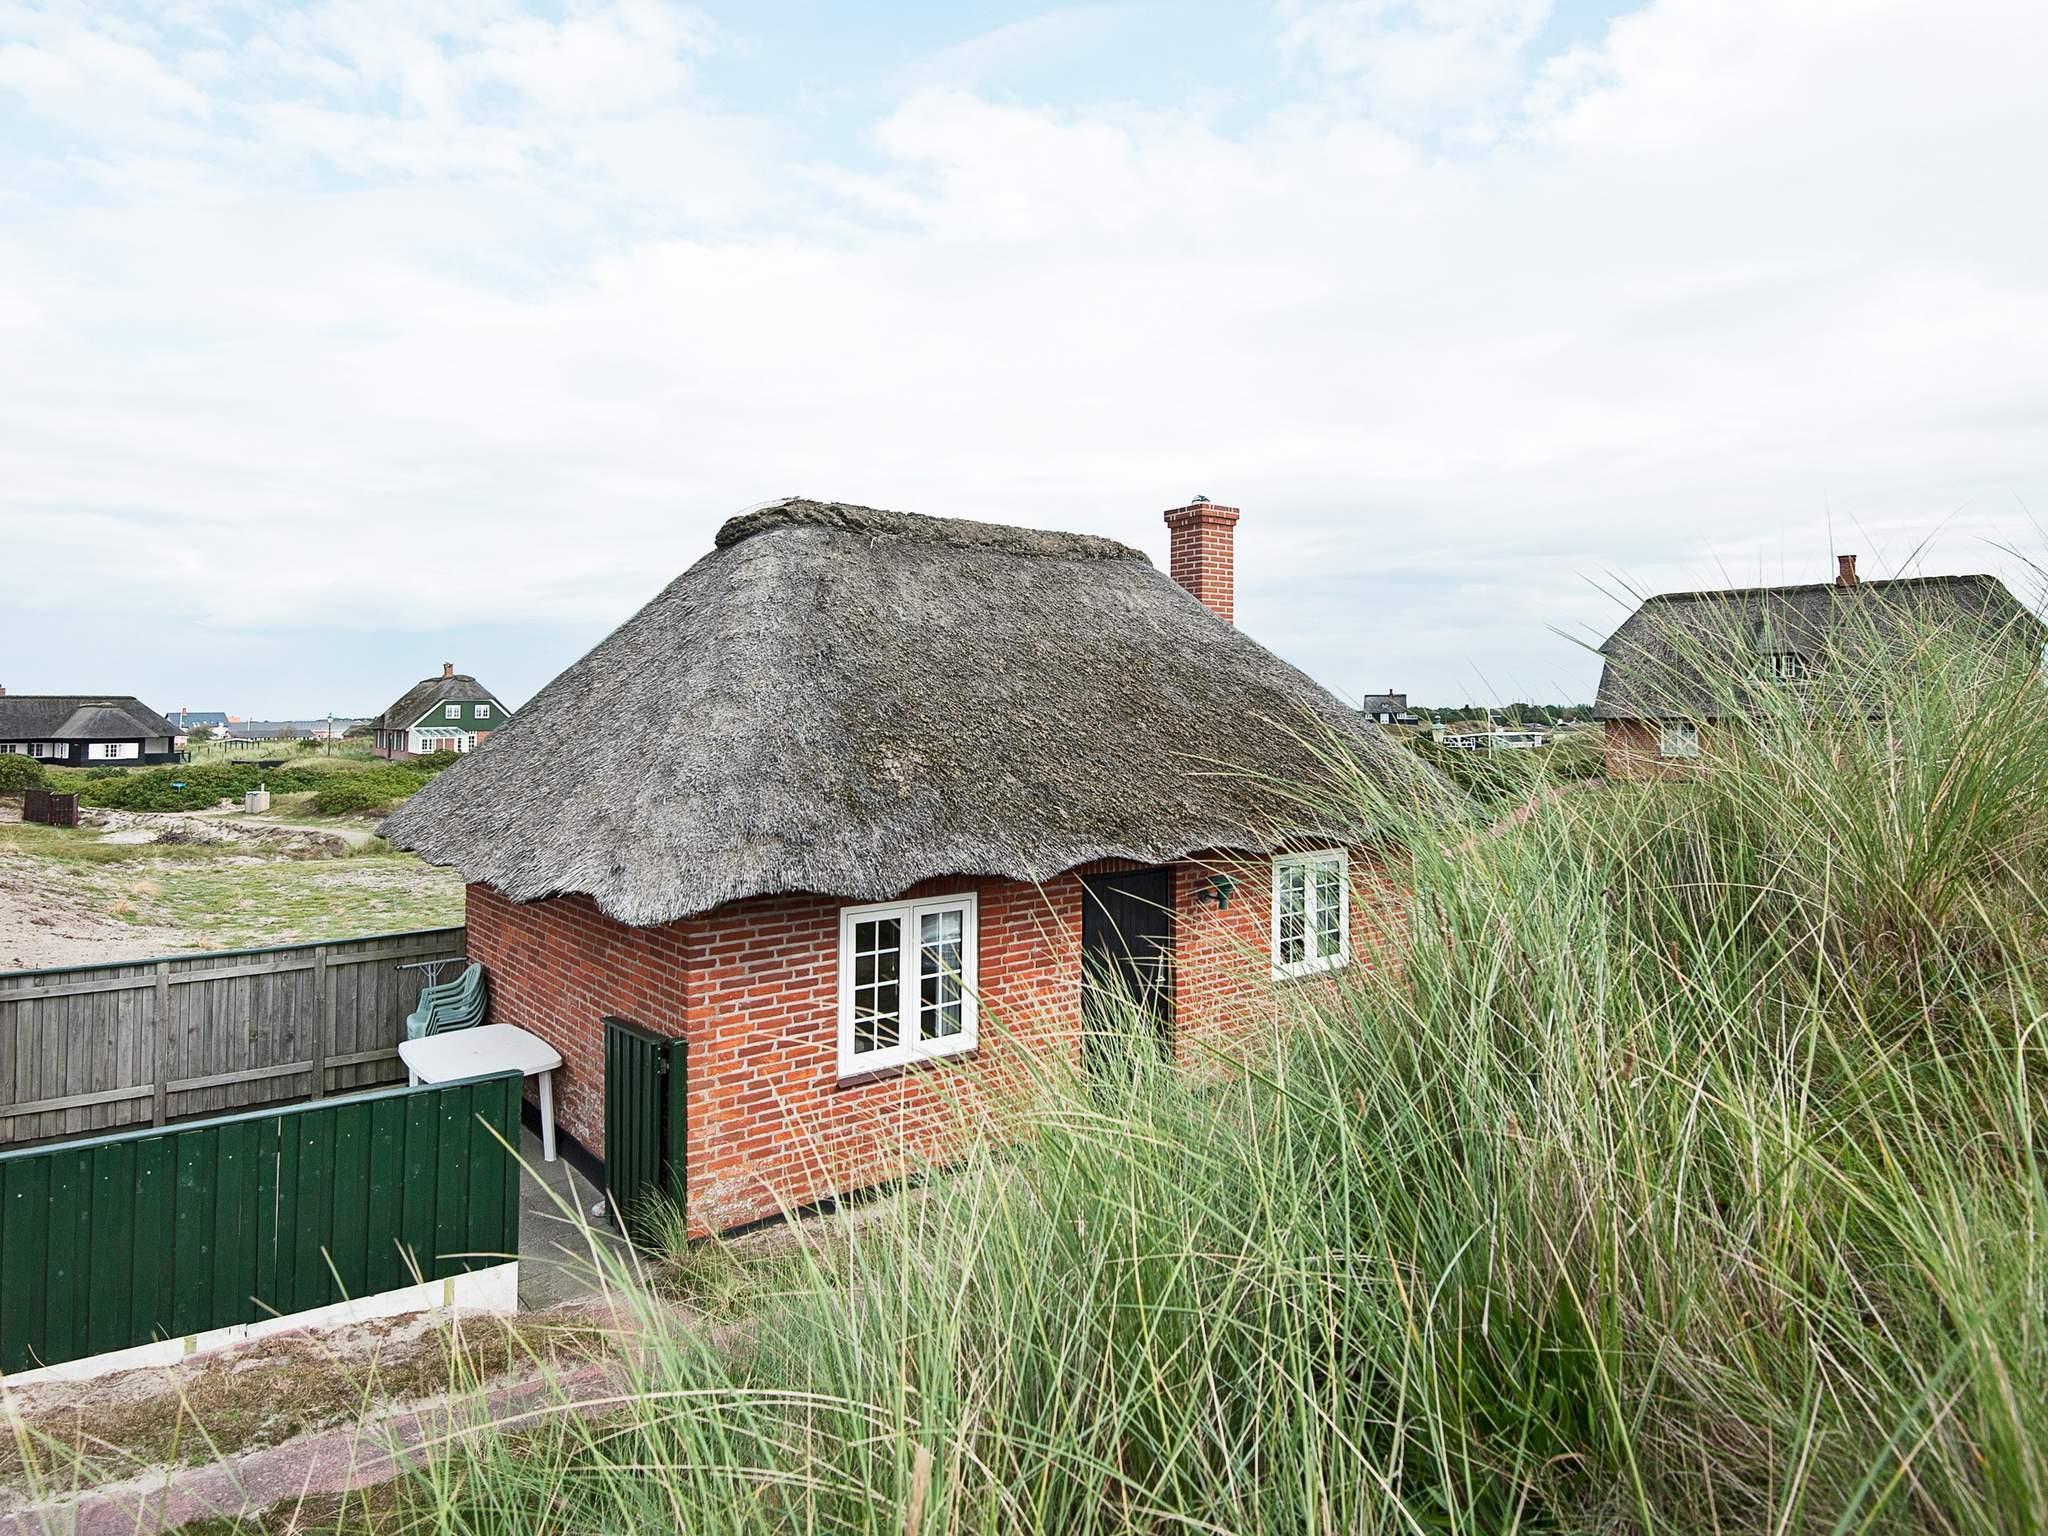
[
  {"x": 429, "y": 693},
  {"x": 79, "y": 717},
  {"x": 1696, "y": 655},
  {"x": 848, "y": 701}
]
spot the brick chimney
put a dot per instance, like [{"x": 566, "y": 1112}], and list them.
[
  {"x": 447, "y": 669},
  {"x": 1204, "y": 558},
  {"x": 1845, "y": 571}
]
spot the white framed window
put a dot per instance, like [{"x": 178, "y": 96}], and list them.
[
  {"x": 112, "y": 751},
  {"x": 47, "y": 749},
  {"x": 1787, "y": 667},
  {"x": 906, "y": 982},
  {"x": 483, "y": 711},
  {"x": 451, "y": 711},
  {"x": 1678, "y": 738},
  {"x": 1311, "y": 912},
  {"x": 13, "y": 749}
]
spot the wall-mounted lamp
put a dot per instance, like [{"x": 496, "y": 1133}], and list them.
[{"x": 1217, "y": 888}]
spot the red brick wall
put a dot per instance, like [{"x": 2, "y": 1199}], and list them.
[
  {"x": 753, "y": 986},
  {"x": 1630, "y": 748},
  {"x": 557, "y": 968}
]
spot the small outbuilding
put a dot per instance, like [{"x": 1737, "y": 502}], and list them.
[{"x": 879, "y": 813}]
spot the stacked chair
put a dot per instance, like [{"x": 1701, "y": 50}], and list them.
[{"x": 457, "y": 1004}]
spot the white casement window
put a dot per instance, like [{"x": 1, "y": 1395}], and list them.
[
  {"x": 1311, "y": 912},
  {"x": 483, "y": 711},
  {"x": 111, "y": 751},
  {"x": 906, "y": 982},
  {"x": 1788, "y": 667},
  {"x": 1679, "y": 738},
  {"x": 46, "y": 749},
  {"x": 13, "y": 749},
  {"x": 451, "y": 711}
]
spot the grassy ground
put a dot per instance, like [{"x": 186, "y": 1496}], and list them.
[
  {"x": 267, "y": 1394},
  {"x": 227, "y": 896}
]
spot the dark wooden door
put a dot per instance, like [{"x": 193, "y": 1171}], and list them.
[{"x": 1126, "y": 962}]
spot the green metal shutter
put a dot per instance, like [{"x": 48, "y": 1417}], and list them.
[{"x": 645, "y": 1123}]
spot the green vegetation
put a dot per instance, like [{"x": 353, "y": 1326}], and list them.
[
  {"x": 372, "y": 789},
  {"x": 201, "y": 785},
  {"x": 1496, "y": 779},
  {"x": 1685, "y": 1174},
  {"x": 18, "y": 773}
]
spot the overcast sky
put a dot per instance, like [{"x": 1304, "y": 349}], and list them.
[{"x": 341, "y": 339}]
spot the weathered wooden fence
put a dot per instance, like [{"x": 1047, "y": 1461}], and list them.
[
  {"x": 122, "y": 1240},
  {"x": 52, "y": 810},
  {"x": 103, "y": 1047}
]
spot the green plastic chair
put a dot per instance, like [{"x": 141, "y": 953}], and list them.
[{"x": 458, "y": 1004}]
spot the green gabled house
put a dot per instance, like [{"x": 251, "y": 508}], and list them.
[{"x": 449, "y": 713}]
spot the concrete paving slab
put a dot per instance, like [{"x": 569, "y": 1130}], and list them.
[{"x": 556, "y": 1262}]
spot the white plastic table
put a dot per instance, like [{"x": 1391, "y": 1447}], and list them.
[{"x": 488, "y": 1048}]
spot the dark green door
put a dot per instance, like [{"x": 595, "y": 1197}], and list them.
[{"x": 645, "y": 1123}]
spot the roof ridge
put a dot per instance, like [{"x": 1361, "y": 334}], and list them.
[
  {"x": 848, "y": 517},
  {"x": 1818, "y": 586}
]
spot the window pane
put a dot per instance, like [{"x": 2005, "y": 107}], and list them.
[
  {"x": 877, "y": 996},
  {"x": 1329, "y": 911},
  {"x": 941, "y": 957},
  {"x": 1292, "y": 937}
]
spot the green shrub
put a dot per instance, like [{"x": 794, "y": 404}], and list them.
[
  {"x": 434, "y": 762},
  {"x": 18, "y": 773},
  {"x": 373, "y": 789}
]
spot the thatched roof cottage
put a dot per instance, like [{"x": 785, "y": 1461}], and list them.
[
  {"x": 450, "y": 713},
  {"x": 1686, "y": 663},
  {"x": 870, "y": 809}
]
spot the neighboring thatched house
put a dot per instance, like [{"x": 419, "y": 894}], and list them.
[
  {"x": 450, "y": 713},
  {"x": 1388, "y": 709},
  {"x": 81, "y": 730},
  {"x": 1685, "y": 662},
  {"x": 854, "y": 805}
]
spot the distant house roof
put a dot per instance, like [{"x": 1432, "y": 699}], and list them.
[
  {"x": 848, "y": 701},
  {"x": 1384, "y": 703},
  {"x": 448, "y": 688},
  {"x": 79, "y": 717},
  {"x": 185, "y": 718},
  {"x": 1694, "y": 655}
]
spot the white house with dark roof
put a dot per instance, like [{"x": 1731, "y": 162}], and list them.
[
  {"x": 81, "y": 730},
  {"x": 450, "y": 713}
]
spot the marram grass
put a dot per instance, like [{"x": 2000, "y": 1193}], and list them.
[{"x": 1682, "y": 1174}]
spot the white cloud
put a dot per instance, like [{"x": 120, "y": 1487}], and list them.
[{"x": 404, "y": 291}]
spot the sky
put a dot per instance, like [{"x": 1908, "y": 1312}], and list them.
[{"x": 341, "y": 339}]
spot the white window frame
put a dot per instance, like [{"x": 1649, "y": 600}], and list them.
[
  {"x": 1309, "y": 862},
  {"x": 13, "y": 749},
  {"x": 905, "y": 1053},
  {"x": 483, "y": 711},
  {"x": 1677, "y": 739},
  {"x": 451, "y": 711}
]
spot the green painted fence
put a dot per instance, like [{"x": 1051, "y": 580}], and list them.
[{"x": 124, "y": 1239}]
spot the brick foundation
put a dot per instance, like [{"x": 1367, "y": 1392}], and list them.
[{"x": 753, "y": 987}]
